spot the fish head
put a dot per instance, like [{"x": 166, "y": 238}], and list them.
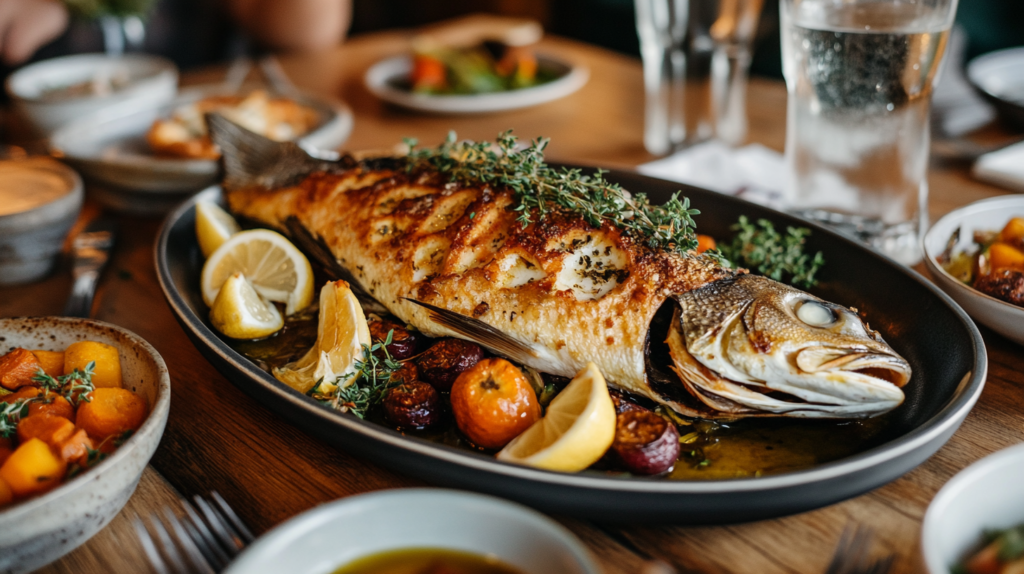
[{"x": 776, "y": 348}]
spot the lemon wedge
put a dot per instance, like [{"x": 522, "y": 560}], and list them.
[
  {"x": 241, "y": 313},
  {"x": 275, "y": 268},
  {"x": 340, "y": 336},
  {"x": 577, "y": 429},
  {"x": 214, "y": 226}
]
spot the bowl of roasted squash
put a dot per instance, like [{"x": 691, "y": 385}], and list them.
[{"x": 83, "y": 405}]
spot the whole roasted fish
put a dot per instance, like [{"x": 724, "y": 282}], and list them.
[{"x": 453, "y": 259}]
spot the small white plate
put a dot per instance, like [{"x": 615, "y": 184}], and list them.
[
  {"x": 985, "y": 496},
  {"x": 988, "y": 214},
  {"x": 384, "y": 79},
  {"x": 109, "y": 149},
  {"x": 337, "y": 533}
]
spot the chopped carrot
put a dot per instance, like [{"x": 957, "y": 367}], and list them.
[
  {"x": 985, "y": 561},
  {"x": 52, "y": 404},
  {"x": 22, "y": 393},
  {"x": 17, "y": 369},
  {"x": 52, "y": 362},
  {"x": 110, "y": 412},
  {"x": 6, "y": 494},
  {"x": 75, "y": 448},
  {"x": 1013, "y": 233},
  {"x": 107, "y": 370},
  {"x": 33, "y": 468},
  {"x": 428, "y": 72},
  {"x": 1004, "y": 256},
  {"x": 47, "y": 428},
  {"x": 705, "y": 242}
]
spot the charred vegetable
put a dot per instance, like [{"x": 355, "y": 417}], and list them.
[
  {"x": 413, "y": 405},
  {"x": 493, "y": 403},
  {"x": 404, "y": 343},
  {"x": 645, "y": 443},
  {"x": 441, "y": 364}
]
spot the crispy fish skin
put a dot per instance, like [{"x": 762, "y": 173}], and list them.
[{"x": 575, "y": 292}]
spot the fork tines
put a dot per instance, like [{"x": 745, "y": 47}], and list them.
[
  {"x": 853, "y": 554},
  {"x": 200, "y": 538}
]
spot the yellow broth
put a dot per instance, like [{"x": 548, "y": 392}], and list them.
[
  {"x": 710, "y": 451},
  {"x": 427, "y": 561}
]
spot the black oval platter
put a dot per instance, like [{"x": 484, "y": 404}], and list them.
[{"x": 923, "y": 324}]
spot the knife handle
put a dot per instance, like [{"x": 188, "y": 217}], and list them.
[{"x": 79, "y": 303}]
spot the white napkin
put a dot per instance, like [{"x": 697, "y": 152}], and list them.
[
  {"x": 753, "y": 172},
  {"x": 1003, "y": 167}
]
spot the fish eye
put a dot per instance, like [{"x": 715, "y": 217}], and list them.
[{"x": 815, "y": 314}]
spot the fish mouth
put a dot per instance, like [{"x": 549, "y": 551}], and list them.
[{"x": 732, "y": 377}]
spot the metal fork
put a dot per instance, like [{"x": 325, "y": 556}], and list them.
[
  {"x": 202, "y": 541},
  {"x": 853, "y": 554},
  {"x": 90, "y": 250}
]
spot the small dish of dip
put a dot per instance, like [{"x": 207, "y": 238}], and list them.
[{"x": 39, "y": 201}]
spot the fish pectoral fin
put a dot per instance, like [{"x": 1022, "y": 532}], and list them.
[{"x": 480, "y": 332}]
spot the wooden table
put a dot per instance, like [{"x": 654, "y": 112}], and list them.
[{"x": 219, "y": 438}]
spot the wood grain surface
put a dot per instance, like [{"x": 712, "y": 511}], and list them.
[{"x": 218, "y": 438}]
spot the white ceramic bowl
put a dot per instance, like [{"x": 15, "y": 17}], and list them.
[
  {"x": 40, "y": 530},
  {"x": 151, "y": 79},
  {"x": 323, "y": 539},
  {"x": 988, "y": 214},
  {"x": 985, "y": 496},
  {"x": 30, "y": 240}
]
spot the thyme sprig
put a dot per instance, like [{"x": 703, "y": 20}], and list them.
[
  {"x": 10, "y": 414},
  {"x": 74, "y": 386},
  {"x": 782, "y": 257},
  {"x": 540, "y": 189},
  {"x": 370, "y": 381}
]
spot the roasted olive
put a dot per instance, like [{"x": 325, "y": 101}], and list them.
[
  {"x": 407, "y": 374},
  {"x": 404, "y": 343},
  {"x": 623, "y": 403},
  {"x": 645, "y": 443},
  {"x": 493, "y": 403},
  {"x": 413, "y": 405},
  {"x": 441, "y": 364}
]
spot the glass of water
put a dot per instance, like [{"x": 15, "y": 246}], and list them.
[
  {"x": 696, "y": 56},
  {"x": 860, "y": 76}
]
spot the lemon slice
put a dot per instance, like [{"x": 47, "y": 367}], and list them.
[
  {"x": 340, "y": 336},
  {"x": 276, "y": 268},
  {"x": 241, "y": 313},
  {"x": 577, "y": 429},
  {"x": 214, "y": 226}
]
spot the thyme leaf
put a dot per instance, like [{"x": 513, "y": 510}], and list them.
[
  {"x": 369, "y": 382},
  {"x": 74, "y": 386},
  {"x": 539, "y": 189},
  {"x": 778, "y": 256},
  {"x": 10, "y": 414}
]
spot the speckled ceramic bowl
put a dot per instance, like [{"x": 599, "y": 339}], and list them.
[
  {"x": 31, "y": 240},
  {"x": 42, "y": 529}
]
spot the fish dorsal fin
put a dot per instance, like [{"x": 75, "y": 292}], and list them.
[
  {"x": 251, "y": 160},
  {"x": 480, "y": 332}
]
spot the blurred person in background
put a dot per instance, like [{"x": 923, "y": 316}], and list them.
[{"x": 190, "y": 32}]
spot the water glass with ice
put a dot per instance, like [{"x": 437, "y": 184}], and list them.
[{"x": 860, "y": 75}]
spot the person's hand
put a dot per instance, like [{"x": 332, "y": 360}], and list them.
[{"x": 26, "y": 25}]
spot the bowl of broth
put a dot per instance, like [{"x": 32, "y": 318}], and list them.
[{"x": 418, "y": 531}]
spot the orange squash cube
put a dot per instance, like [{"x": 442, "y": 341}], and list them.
[
  {"x": 17, "y": 369},
  {"x": 1013, "y": 233},
  {"x": 48, "y": 428},
  {"x": 110, "y": 412},
  {"x": 1004, "y": 256},
  {"x": 32, "y": 468},
  {"x": 106, "y": 373},
  {"x": 52, "y": 362}
]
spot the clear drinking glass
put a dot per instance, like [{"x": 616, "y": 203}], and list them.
[
  {"x": 696, "y": 56},
  {"x": 860, "y": 76}
]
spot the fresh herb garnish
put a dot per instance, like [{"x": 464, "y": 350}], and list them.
[
  {"x": 10, "y": 414},
  {"x": 93, "y": 456},
  {"x": 761, "y": 247},
  {"x": 74, "y": 386},
  {"x": 540, "y": 189},
  {"x": 371, "y": 380}
]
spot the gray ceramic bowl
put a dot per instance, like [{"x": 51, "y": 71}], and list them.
[
  {"x": 30, "y": 240},
  {"x": 150, "y": 79},
  {"x": 39, "y": 530},
  {"x": 334, "y": 534}
]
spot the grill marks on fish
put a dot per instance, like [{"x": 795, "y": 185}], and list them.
[{"x": 414, "y": 235}]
